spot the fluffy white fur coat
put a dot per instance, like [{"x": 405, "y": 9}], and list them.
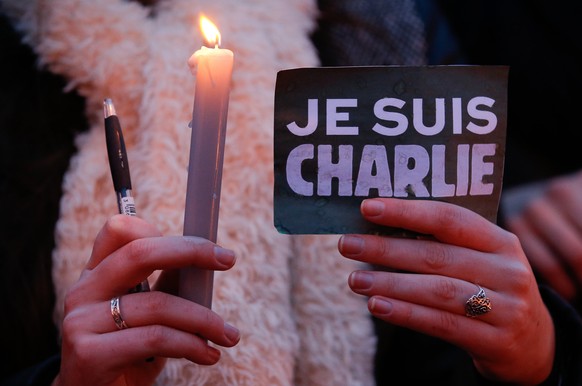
[{"x": 300, "y": 323}]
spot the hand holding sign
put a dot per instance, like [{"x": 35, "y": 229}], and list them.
[{"x": 343, "y": 134}]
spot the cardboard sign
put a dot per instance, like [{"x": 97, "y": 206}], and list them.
[{"x": 343, "y": 134}]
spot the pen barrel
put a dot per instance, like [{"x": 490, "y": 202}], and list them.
[
  {"x": 118, "y": 162},
  {"x": 119, "y": 166}
]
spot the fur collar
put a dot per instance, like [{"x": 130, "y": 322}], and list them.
[{"x": 300, "y": 323}]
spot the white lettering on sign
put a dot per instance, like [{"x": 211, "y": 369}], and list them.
[
  {"x": 404, "y": 177},
  {"x": 392, "y": 122}
]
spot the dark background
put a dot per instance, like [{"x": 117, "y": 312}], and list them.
[{"x": 539, "y": 39}]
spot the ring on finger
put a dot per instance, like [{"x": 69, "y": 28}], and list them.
[
  {"x": 478, "y": 304},
  {"x": 116, "y": 313}
]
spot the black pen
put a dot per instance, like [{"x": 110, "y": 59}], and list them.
[{"x": 119, "y": 168}]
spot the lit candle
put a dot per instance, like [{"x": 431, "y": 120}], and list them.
[{"x": 212, "y": 67}]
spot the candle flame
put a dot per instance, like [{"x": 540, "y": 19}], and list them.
[{"x": 210, "y": 32}]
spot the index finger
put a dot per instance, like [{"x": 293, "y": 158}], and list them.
[
  {"x": 138, "y": 259},
  {"x": 117, "y": 232},
  {"x": 446, "y": 222}
]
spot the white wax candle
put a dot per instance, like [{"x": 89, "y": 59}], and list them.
[{"x": 212, "y": 68}]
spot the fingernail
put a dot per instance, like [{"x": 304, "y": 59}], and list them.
[
  {"x": 232, "y": 333},
  {"x": 371, "y": 207},
  {"x": 361, "y": 280},
  {"x": 213, "y": 354},
  {"x": 379, "y": 306},
  {"x": 224, "y": 256},
  {"x": 351, "y": 245}
]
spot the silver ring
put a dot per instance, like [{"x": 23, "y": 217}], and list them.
[
  {"x": 116, "y": 313},
  {"x": 478, "y": 304}
]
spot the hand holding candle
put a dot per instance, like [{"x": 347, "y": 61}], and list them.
[{"x": 212, "y": 68}]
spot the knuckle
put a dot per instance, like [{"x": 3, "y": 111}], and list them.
[
  {"x": 509, "y": 242},
  {"x": 154, "y": 336},
  {"x": 156, "y": 303},
  {"x": 520, "y": 311},
  {"x": 449, "y": 218},
  {"x": 116, "y": 224},
  {"x": 438, "y": 257},
  {"x": 512, "y": 240},
  {"x": 402, "y": 209},
  {"x": 136, "y": 249},
  {"x": 69, "y": 302},
  {"x": 211, "y": 319},
  {"x": 72, "y": 298},
  {"x": 406, "y": 316},
  {"x": 70, "y": 323},
  {"x": 444, "y": 289},
  {"x": 447, "y": 322},
  {"x": 382, "y": 249},
  {"x": 82, "y": 352},
  {"x": 522, "y": 280}
]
